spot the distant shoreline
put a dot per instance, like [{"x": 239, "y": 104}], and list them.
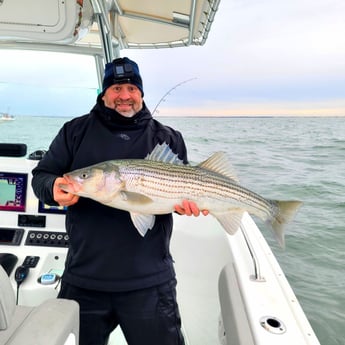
[{"x": 207, "y": 116}]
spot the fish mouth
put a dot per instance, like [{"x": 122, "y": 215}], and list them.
[
  {"x": 70, "y": 186},
  {"x": 64, "y": 187}
]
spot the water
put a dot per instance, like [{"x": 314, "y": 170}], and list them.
[{"x": 284, "y": 158}]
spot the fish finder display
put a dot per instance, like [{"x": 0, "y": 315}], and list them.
[{"x": 13, "y": 191}]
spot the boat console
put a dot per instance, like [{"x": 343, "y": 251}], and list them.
[{"x": 33, "y": 241}]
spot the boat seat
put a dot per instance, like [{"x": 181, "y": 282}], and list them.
[
  {"x": 53, "y": 322},
  {"x": 8, "y": 262}
]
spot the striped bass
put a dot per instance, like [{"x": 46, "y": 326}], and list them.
[{"x": 154, "y": 185}]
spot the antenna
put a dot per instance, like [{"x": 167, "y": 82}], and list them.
[{"x": 168, "y": 93}]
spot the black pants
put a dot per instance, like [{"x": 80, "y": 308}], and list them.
[{"x": 147, "y": 317}]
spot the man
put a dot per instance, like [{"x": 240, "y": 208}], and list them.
[{"x": 117, "y": 276}]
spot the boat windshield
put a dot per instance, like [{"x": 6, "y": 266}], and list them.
[{"x": 42, "y": 90}]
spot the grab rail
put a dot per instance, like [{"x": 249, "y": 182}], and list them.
[{"x": 257, "y": 271}]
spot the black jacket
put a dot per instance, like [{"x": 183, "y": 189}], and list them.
[{"x": 106, "y": 252}]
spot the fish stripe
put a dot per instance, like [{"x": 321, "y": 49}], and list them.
[{"x": 167, "y": 180}]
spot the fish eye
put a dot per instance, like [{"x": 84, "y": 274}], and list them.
[{"x": 84, "y": 175}]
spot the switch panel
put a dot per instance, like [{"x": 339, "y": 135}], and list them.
[{"x": 47, "y": 239}]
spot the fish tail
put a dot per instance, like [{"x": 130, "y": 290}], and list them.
[{"x": 284, "y": 214}]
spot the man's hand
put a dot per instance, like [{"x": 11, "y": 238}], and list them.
[
  {"x": 60, "y": 196},
  {"x": 190, "y": 208}
]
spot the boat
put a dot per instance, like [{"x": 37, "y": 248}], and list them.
[
  {"x": 233, "y": 291},
  {"x": 4, "y": 117}
]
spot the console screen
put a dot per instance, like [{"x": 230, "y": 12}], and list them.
[{"x": 13, "y": 191}]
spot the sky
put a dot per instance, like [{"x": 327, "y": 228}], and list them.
[{"x": 262, "y": 57}]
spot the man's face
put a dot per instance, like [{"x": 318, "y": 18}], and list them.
[{"x": 126, "y": 99}]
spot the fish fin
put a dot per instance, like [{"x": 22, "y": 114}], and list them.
[
  {"x": 135, "y": 198},
  {"x": 285, "y": 214},
  {"x": 219, "y": 163},
  {"x": 143, "y": 222},
  {"x": 231, "y": 221},
  {"x": 163, "y": 153}
]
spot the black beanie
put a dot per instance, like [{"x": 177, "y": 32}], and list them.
[{"x": 122, "y": 71}]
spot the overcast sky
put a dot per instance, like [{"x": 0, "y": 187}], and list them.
[{"x": 265, "y": 57}]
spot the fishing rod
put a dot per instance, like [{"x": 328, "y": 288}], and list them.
[{"x": 168, "y": 93}]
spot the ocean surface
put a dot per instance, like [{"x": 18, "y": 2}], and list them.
[{"x": 281, "y": 158}]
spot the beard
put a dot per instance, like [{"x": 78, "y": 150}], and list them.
[{"x": 129, "y": 112}]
